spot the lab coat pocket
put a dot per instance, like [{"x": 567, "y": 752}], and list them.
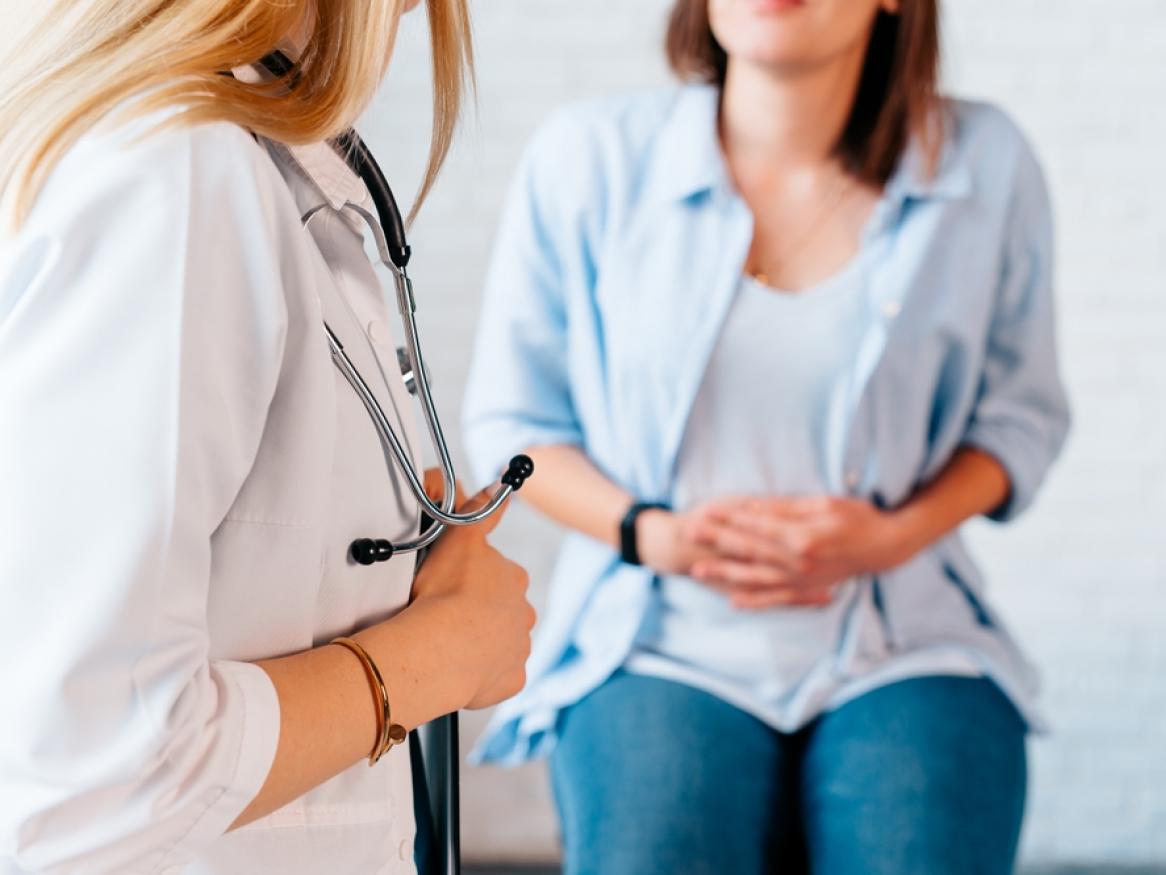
[
  {"x": 926, "y": 602},
  {"x": 264, "y": 581}
]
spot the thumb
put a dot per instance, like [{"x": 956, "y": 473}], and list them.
[
  {"x": 435, "y": 487},
  {"x": 480, "y": 500}
]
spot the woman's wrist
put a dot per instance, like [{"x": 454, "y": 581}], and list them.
[
  {"x": 972, "y": 483},
  {"x": 417, "y": 652},
  {"x": 909, "y": 532},
  {"x": 657, "y": 535}
]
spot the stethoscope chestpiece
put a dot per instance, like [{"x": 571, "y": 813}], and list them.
[{"x": 369, "y": 551}]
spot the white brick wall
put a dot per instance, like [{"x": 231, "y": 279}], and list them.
[{"x": 1081, "y": 576}]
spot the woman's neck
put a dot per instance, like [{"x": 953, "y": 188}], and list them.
[{"x": 793, "y": 119}]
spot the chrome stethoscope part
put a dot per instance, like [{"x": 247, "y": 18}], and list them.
[
  {"x": 434, "y": 747},
  {"x": 435, "y": 769},
  {"x": 367, "y": 551}
]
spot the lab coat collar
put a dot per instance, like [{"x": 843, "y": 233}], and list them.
[{"x": 691, "y": 162}]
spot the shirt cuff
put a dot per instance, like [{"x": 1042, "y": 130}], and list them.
[{"x": 1023, "y": 472}]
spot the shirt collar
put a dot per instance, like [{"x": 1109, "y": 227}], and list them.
[
  {"x": 318, "y": 163},
  {"x": 952, "y": 178},
  {"x": 329, "y": 174},
  {"x": 689, "y": 158},
  {"x": 691, "y": 162}
]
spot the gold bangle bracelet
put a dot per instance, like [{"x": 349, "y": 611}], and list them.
[{"x": 388, "y": 732}]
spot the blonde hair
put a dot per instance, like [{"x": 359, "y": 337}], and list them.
[{"x": 71, "y": 63}]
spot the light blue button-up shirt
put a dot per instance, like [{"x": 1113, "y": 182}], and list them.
[{"x": 621, "y": 247}]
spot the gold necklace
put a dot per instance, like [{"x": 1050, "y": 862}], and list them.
[{"x": 829, "y": 206}]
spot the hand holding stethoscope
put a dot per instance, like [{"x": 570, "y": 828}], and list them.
[
  {"x": 435, "y": 758},
  {"x": 388, "y": 231}
]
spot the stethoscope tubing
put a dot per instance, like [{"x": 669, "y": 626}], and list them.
[
  {"x": 439, "y": 514},
  {"x": 440, "y": 738},
  {"x": 440, "y": 754}
]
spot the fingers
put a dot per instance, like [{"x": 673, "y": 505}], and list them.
[
  {"x": 433, "y": 484},
  {"x": 435, "y": 487},
  {"x": 753, "y": 587},
  {"x": 733, "y": 573},
  {"x": 480, "y": 500},
  {"x": 750, "y": 586},
  {"x": 799, "y": 538},
  {"x": 746, "y": 537}
]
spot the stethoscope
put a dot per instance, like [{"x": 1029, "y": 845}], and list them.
[{"x": 435, "y": 752}]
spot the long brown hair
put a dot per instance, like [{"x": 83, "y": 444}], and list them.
[{"x": 897, "y": 92}]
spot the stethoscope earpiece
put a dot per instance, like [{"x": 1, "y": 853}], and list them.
[
  {"x": 369, "y": 551},
  {"x": 520, "y": 468}
]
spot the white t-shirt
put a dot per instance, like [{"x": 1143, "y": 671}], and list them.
[{"x": 759, "y": 427}]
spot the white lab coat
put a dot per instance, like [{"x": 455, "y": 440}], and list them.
[{"x": 182, "y": 470}]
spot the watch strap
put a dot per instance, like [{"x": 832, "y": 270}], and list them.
[{"x": 628, "y": 548}]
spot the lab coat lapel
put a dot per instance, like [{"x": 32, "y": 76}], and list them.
[{"x": 356, "y": 319}]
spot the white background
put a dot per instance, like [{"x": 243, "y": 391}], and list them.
[{"x": 1081, "y": 577}]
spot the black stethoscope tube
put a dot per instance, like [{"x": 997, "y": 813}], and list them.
[
  {"x": 439, "y": 758},
  {"x": 434, "y": 747}
]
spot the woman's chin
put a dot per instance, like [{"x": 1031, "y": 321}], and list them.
[{"x": 777, "y": 56}]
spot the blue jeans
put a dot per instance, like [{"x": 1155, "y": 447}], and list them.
[{"x": 922, "y": 777}]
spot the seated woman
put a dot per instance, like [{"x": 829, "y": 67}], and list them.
[{"x": 771, "y": 338}]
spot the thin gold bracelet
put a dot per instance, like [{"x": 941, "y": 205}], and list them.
[{"x": 389, "y": 733}]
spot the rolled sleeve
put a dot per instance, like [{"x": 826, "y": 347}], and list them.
[
  {"x": 250, "y": 708},
  {"x": 1021, "y": 415},
  {"x": 139, "y": 352}
]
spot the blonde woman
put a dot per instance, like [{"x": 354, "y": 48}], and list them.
[{"x": 181, "y": 467}]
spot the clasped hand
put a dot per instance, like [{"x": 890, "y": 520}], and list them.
[{"x": 769, "y": 552}]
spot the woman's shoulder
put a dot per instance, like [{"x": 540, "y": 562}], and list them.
[
  {"x": 620, "y": 128},
  {"x": 635, "y": 116},
  {"x": 156, "y": 203},
  {"x": 157, "y": 158},
  {"x": 987, "y": 145},
  {"x": 606, "y": 148}
]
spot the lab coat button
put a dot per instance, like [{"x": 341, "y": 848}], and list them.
[
  {"x": 891, "y": 309},
  {"x": 376, "y": 330},
  {"x": 405, "y": 850}
]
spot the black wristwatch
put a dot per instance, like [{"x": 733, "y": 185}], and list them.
[{"x": 628, "y": 550}]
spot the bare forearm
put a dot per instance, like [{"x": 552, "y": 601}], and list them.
[
  {"x": 973, "y": 483},
  {"x": 328, "y": 712},
  {"x": 572, "y": 491}
]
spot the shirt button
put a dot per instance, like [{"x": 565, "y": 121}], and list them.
[
  {"x": 851, "y": 480},
  {"x": 405, "y": 850},
  {"x": 891, "y": 309}
]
